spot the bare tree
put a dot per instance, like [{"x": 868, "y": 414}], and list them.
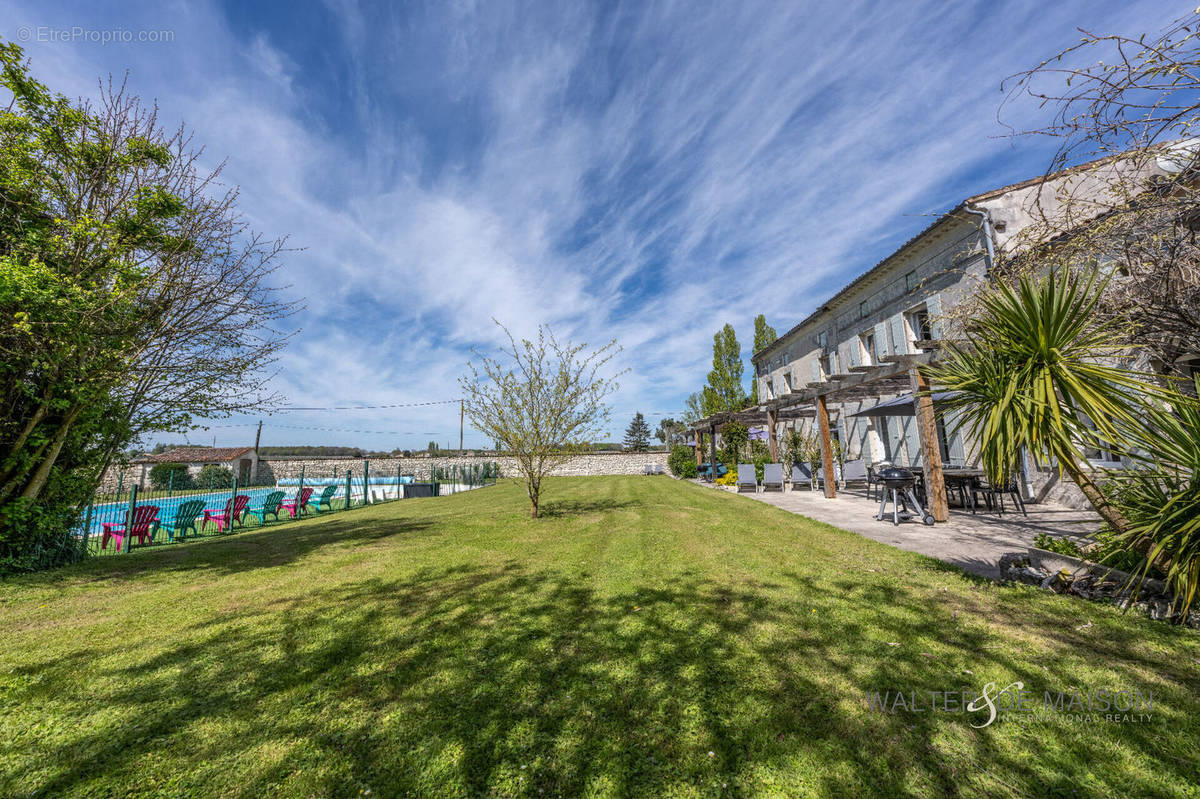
[
  {"x": 1128, "y": 108},
  {"x": 543, "y": 405}
]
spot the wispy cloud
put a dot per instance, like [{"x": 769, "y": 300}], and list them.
[{"x": 644, "y": 173}]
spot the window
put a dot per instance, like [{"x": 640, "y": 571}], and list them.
[
  {"x": 822, "y": 339},
  {"x": 828, "y": 365},
  {"x": 787, "y": 381},
  {"x": 862, "y": 309},
  {"x": 867, "y": 343},
  {"x": 919, "y": 325},
  {"x": 910, "y": 281},
  {"x": 1099, "y": 454}
]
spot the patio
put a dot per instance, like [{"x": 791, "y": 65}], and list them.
[{"x": 971, "y": 542}]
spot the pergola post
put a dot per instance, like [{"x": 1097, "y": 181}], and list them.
[
  {"x": 712, "y": 464},
  {"x": 931, "y": 452},
  {"x": 826, "y": 447},
  {"x": 699, "y": 447},
  {"x": 772, "y": 439}
]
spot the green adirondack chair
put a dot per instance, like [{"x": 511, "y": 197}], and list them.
[
  {"x": 325, "y": 503},
  {"x": 185, "y": 519},
  {"x": 270, "y": 507}
]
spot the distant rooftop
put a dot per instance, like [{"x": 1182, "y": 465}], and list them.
[{"x": 196, "y": 455}]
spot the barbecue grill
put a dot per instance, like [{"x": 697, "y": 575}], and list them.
[{"x": 898, "y": 486}]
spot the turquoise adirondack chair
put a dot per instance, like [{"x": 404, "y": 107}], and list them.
[
  {"x": 270, "y": 507},
  {"x": 185, "y": 519},
  {"x": 325, "y": 503}
]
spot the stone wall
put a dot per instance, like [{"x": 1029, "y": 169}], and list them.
[{"x": 270, "y": 470}]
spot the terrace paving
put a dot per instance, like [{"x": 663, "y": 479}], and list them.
[{"x": 971, "y": 542}]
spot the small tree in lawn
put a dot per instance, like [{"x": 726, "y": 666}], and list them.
[
  {"x": 637, "y": 435},
  {"x": 544, "y": 406}
]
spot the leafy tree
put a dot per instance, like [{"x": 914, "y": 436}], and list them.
[
  {"x": 543, "y": 405},
  {"x": 764, "y": 334},
  {"x": 432, "y": 449},
  {"x": 133, "y": 295},
  {"x": 212, "y": 475},
  {"x": 637, "y": 435},
  {"x": 735, "y": 436},
  {"x": 170, "y": 475},
  {"x": 670, "y": 432},
  {"x": 693, "y": 408},
  {"x": 725, "y": 391},
  {"x": 682, "y": 462}
]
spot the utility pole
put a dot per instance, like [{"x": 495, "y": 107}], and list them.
[
  {"x": 258, "y": 435},
  {"x": 461, "y": 408}
]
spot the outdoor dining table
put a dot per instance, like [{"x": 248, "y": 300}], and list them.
[{"x": 960, "y": 479}]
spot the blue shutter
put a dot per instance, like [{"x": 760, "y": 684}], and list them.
[
  {"x": 816, "y": 370},
  {"x": 881, "y": 341},
  {"x": 899, "y": 336},
  {"x": 933, "y": 304}
]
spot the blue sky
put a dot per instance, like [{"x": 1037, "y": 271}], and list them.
[{"x": 645, "y": 172}]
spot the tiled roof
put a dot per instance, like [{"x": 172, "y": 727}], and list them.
[{"x": 196, "y": 455}]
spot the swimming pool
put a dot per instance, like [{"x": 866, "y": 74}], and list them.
[{"x": 114, "y": 512}]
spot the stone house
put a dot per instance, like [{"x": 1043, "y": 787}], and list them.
[
  {"x": 900, "y": 308},
  {"x": 242, "y": 461}
]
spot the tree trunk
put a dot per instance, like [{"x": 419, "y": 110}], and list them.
[
  {"x": 1109, "y": 512},
  {"x": 40, "y": 475}
]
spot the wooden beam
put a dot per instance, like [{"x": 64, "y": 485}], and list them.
[
  {"x": 772, "y": 440},
  {"x": 826, "y": 448},
  {"x": 712, "y": 463},
  {"x": 699, "y": 447},
  {"x": 931, "y": 452}
]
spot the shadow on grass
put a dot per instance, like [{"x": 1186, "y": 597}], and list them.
[
  {"x": 571, "y": 507},
  {"x": 243, "y": 549},
  {"x": 475, "y": 680}
]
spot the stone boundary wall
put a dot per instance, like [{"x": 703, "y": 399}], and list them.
[{"x": 270, "y": 470}]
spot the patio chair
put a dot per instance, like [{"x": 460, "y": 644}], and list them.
[
  {"x": 298, "y": 505},
  {"x": 234, "y": 513},
  {"x": 747, "y": 477},
  {"x": 648, "y": 469},
  {"x": 185, "y": 519},
  {"x": 854, "y": 472},
  {"x": 325, "y": 502},
  {"x": 658, "y": 468},
  {"x": 873, "y": 484},
  {"x": 145, "y": 518},
  {"x": 772, "y": 476},
  {"x": 993, "y": 496},
  {"x": 801, "y": 473},
  {"x": 270, "y": 507}
]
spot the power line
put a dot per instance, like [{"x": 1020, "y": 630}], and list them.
[{"x": 287, "y": 408}]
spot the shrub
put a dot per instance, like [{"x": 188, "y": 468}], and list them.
[
  {"x": 1063, "y": 546},
  {"x": 170, "y": 475},
  {"x": 213, "y": 476},
  {"x": 682, "y": 462},
  {"x": 735, "y": 436},
  {"x": 729, "y": 478}
]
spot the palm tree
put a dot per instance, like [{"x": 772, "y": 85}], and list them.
[{"x": 1035, "y": 372}]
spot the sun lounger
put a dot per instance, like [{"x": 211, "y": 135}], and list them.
[
  {"x": 772, "y": 476},
  {"x": 801, "y": 475},
  {"x": 746, "y": 477}
]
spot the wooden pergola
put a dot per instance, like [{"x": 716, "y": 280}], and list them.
[{"x": 893, "y": 374}]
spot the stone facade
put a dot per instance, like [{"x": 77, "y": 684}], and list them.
[{"x": 270, "y": 470}]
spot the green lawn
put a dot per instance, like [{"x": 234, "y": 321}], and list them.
[{"x": 648, "y": 637}]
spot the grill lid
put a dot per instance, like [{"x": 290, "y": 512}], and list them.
[{"x": 895, "y": 477}]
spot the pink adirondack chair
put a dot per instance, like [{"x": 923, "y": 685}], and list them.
[
  {"x": 227, "y": 517},
  {"x": 145, "y": 518},
  {"x": 297, "y": 505}
]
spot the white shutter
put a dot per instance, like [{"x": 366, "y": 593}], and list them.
[{"x": 816, "y": 370}]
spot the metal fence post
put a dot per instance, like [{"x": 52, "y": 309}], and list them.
[
  {"x": 300, "y": 492},
  {"x": 366, "y": 481},
  {"x": 129, "y": 517},
  {"x": 347, "y": 489},
  {"x": 87, "y": 527},
  {"x": 170, "y": 482},
  {"x": 232, "y": 502}
]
